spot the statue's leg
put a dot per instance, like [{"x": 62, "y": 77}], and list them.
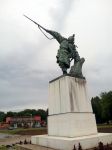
[
  {"x": 64, "y": 70},
  {"x": 63, "y": 67}
]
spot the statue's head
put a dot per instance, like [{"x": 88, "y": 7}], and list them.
[{"x": 71, "y": 38}]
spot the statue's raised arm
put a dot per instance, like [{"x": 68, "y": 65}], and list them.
[{"x": 55, "y": 34}]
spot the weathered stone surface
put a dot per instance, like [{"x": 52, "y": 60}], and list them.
[
  {"x": 72, "y": 124},
  {"x": 68, "y": 94}
]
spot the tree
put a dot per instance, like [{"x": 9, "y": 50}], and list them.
[
  {"x": 2, "y": 116},
  {"x": 102, "y": 107},
  {"x": 11, "y": 114},
  {"x": 106, "y": 98},
  {"x": 97, "y": 108}
]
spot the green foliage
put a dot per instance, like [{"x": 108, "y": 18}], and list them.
[
  {"x": 11, "y": 114},
  {"x": 3, "y": 147},
  {"x": 97, "y": 109},
  {"x": 102, "y": 107},
  {"x": 2, "y": 116},
  {"x": 106, "y": 105}
]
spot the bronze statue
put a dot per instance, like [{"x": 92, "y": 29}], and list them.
[{"x": 66, "y": 52}]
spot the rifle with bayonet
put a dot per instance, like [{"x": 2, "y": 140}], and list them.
[{"x": 39, "y": 26}]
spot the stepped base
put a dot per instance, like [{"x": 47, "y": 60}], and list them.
[{"x": 64, "y": 143}]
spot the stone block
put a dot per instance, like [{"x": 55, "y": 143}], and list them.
[
  {"x": 68, "y": 94},
  {"x": 72, "y": 124}
]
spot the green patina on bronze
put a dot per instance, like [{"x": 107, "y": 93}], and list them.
[
  {"x": 76, "y": 69},
  {"x": 66, "y": 52}
]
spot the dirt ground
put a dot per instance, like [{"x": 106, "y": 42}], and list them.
[
  {"x": 14, "y": 139},
  {"x": 17, "y": 138},
  {"x": 105, "y": 130},
  {"x": 33, "y": 132}
]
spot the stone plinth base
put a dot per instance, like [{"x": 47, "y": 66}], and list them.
[
  {"x": 70, "y": 111},
  {"x": 72, "y": 124},
  {"x": 68, "y": 94},
  {"x": 64, "y": 143}
]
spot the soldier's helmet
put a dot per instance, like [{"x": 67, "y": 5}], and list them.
[{"x": 71, "y": 38}]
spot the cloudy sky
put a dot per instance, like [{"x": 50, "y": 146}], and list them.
[{"x": 27, "y": 57}]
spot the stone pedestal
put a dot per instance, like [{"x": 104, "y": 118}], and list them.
[
  {"x": 71, "y": 125},
  {"x": 71, "y": 120},
  {"x": 70, "y": 112},
  {"x": 68, "y": 94}
]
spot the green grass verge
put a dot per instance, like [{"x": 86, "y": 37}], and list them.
[
  {"x": 104, "y": 126},
  {"x": 5, "y": 148},
  {"x": 18, "y": 130}
]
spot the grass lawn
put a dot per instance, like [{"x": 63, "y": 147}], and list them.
[
  {"x": 28, "y": 131},
  {"x": 104, "y": 126}
]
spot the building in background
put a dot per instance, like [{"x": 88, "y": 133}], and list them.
[{"x": 26, "y": 121}]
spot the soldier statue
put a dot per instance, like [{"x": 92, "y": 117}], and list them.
[{"x": 66, "y": 52}]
